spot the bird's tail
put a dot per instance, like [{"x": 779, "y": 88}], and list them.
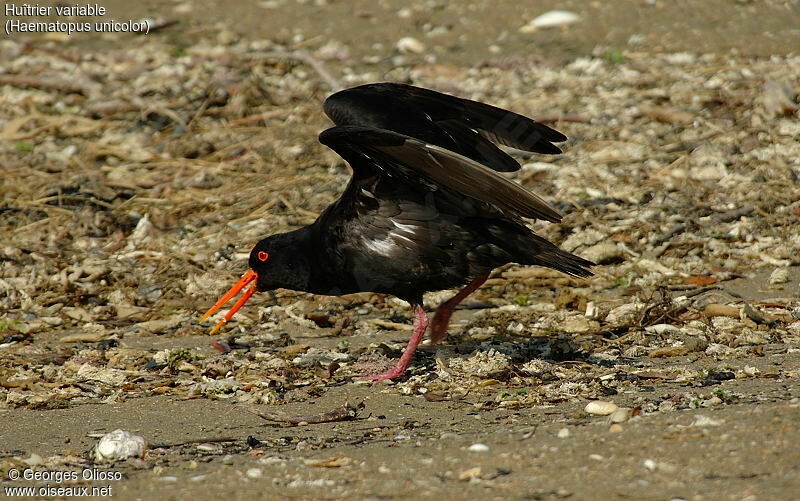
[
  {"x": 562, "y": 261},
  {"x": 526, "y": 247}
]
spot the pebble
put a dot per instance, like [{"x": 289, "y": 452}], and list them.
[
  {"x": 470, "y": 474},
  {"x": 721, "y": 310},
  {"x": 604, "y": 253},
  {"x": 592, "y": 311},
  {"x": 33, "y": 460},
  {"x": 624, "y": 315},
  {"x": 750, "y": 370},
  {"x": 659, "y": 466},
  {"x": 600, "y": 408},
  {"x": 410, "y": 45},
  {"x": 478, "y": 448},
  {"x": 563, "y": 433},
  {"x": 616, "y": 428},
  {"x": 703, "y": 421},
  {"x": 254, "y": 473},
  {"x": 663, "y": 329},
  {"x": 578, "y": 325}
]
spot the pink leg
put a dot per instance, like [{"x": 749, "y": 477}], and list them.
[
  {"x": 441, "y": 319},
  {"x": 420, "y": 324}
]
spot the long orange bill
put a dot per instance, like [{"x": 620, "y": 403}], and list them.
[{"x": 248, "y": 278}]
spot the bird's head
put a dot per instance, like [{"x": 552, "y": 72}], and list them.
[{"x": 278, "y": 261}]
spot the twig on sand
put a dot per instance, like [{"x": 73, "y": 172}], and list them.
[
  {"x": 569, "y": 117},
  {"x": 43, "y": 83},
  {"x": 305, "y": 57},
  {"x": 259, "y": 117},
  {"x": 343, "y": 413}
]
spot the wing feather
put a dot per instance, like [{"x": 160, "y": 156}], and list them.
[
  {"x": 461, "y": 125},
  {"x": 376, "y": 152}
]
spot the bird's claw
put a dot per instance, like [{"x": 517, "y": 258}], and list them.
[{"x": 379, "y": 378}]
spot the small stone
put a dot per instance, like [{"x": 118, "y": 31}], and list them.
[
  {"x": 254, "y": 473},
  {"x": 625, "y": 315},
  {"x": 592, "y": 311},
  {"x": 721, "y": 310},
  {"x": 663, "y": 329},
  {"x": 704, "y": 421},
  {"x": 659, "y": 466},
  {"x": 600, "y": 408},
  {"x": 563, "y": 433},
  {"x": 604, "y": 253},
  {"x": 33, "y": 460},
  {"x": 578, "y": 325},
  {"x": 616, "y": 428},
  {"x": 470, "y": 474},
  {"x": 209, "y": 448},
  {"x": 478, "y": 448},
  {"x": 411, "y": 45},
  {"x": 750, "y": 370}
]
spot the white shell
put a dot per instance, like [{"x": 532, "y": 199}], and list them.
[
  {"x": 551, "y": 19},
  {"x": 620, "y": 415},
  {"x": 118, "y": 445},
  {"x": 600, "y": 408},
  {"x": 779, "y": 276}
]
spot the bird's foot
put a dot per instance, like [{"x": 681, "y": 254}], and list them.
[
  {"x": 392, "y": 374},
  {"x": 439, "y": 325}
]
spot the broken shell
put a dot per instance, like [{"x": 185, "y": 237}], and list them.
[
  {"x": 483, "y": 364},
  {"x": 625, "y": 315},
  {"x": 604, "y": 253},
  {"x": 620, "y": 415},
  {"x": 779, "y": 276}
]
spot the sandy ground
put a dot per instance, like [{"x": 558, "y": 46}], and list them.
[{"x": 139, "y": 170}]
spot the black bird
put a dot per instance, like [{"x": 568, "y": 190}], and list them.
[{"x": 424, "y": 211}]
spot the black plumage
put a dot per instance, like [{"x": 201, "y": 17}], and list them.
[{"x": 425, "y": 209}]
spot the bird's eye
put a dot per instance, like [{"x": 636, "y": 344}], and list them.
[{"x": 262, "y": 256}]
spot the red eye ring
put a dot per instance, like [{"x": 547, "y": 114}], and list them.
[{"x": 262, "y": 256}]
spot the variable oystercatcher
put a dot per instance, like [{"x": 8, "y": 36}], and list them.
[{"x": 424, "y": 211}]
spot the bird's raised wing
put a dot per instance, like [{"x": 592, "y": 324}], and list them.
[
  {"x": 461, "y": 125},
  {"x": 377, "y": 152}
]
